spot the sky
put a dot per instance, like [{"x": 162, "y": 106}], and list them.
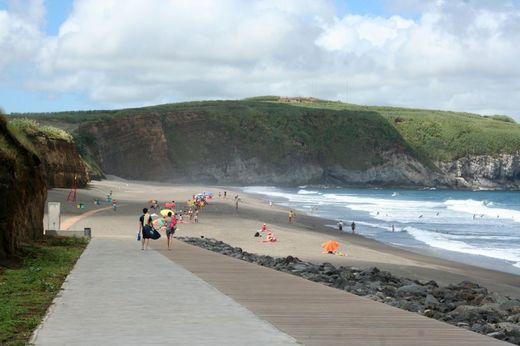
[{"x": 62, "y": 55}]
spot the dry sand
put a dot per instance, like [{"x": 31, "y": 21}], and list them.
[{"x": 302, "y": 238}]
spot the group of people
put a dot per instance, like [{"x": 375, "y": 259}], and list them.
[
  {"x": 352, "y": 226},
  {"x": 147, "y": 230},
  {"x": 269, "y": 238}
]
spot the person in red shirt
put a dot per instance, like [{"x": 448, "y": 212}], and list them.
[{"x": 171, "y": 227}]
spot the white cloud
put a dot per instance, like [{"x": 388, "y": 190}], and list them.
[
  {"x": 459, "y": 55},
  {"x": 20, "y": 35}
]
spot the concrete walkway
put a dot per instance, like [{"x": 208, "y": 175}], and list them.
[{"x": 120, "y": 295}]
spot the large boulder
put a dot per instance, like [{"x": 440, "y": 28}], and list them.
[{"x": 412, "y": 290}]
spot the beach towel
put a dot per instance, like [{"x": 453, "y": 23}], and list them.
[{"x": 337, "y": 253}]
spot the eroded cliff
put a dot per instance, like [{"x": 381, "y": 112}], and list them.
[
  {"x": 61, "y": 162},
  {"x": 273, "y": 146},
  {"x": 22, "y": 193}
]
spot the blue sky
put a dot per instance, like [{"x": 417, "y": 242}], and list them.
[{"x": 115, "y": 54}]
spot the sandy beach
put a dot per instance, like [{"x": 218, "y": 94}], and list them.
[{"x": 302, "y": 238}]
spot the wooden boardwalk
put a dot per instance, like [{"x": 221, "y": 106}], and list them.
[{"x": 313, "y": 313}]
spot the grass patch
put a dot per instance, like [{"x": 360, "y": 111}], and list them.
[
  {"x": 32, "y": 127},
  {"x": 27, "y": 291}
]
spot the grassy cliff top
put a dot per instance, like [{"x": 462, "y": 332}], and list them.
[{"x": 432, "y": 134}]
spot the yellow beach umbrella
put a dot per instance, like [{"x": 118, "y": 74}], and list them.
[{"x": 165, "y": 212}]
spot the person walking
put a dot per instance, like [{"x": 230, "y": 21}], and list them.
[
  {"x": 353, "y": 226},
  {"x": 171, "y": 227},
  {"x": 292, "y": 215},
  {"x": 340, "y": 225},
  {"x": 145, "y": 227}
]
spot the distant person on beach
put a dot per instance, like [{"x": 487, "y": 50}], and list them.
[
  {"x": 270, "y": 237},
  {"x": 236, "y": 202},
  {"x": 340, "y": 225},
  {"x": 292, "y": 215},
  {"x": 171, "y": 226},
  {"x": 196, "y": 217},
  {"x": 145, "y": 226},
  {"x": 353, "y": 226},
  {"x": 393, "y": 228},
  {"x": 264, "y": 228},
  {"x": 225, "y": 194},
  {"x": 219, "y": 194},
  {"x": 270, "y": 203}
]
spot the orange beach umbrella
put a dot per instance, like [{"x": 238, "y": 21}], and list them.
[{"x": 330, "y": 246}]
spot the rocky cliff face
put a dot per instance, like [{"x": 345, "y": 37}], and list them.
[
  {"x": 183, "y": 147},
  {"x": 22, "y": 194},
  {"x": 61, "y": 162},
  {"x": 131, "y": 147},
  {"x": 502, "y": 171}
]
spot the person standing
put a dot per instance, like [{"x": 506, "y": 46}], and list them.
[
  {"x": 145, "y": 227},
  {"x": 292, "y": 215},
  {"x": 340, "y": 225},
  {"x": 171, "y": 226},
  {"x": 353, "y": 226}
]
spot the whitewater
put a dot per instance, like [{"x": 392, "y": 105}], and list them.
[{"x": 476, "y": 227}]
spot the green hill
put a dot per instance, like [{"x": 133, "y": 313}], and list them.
[{"x": 272, "y": 135}]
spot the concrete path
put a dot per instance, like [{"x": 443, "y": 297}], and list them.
[{"x": 120, "y": 295}]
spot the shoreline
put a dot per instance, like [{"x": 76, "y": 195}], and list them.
[{"x": 301, "y": 239}]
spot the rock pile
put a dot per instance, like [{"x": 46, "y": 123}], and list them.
[{"x": 466, "y": 304}]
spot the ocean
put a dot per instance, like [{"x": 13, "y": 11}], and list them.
[{"x": 481, "y": 228}]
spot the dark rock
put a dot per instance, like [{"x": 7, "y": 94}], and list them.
[
  {"x": 431, "y": 302},
  {"x": 494, "y": 297},
  {"x": 476, "y": 314},
  {"x": 497, "y": 335},
  {"x": 512, "y": 305},
  {"x": 514, "y": 318},
  {"x": 411, "y": 290},
  {"x": 509, "y": 328},
  {"x": 389, "y": 291}
]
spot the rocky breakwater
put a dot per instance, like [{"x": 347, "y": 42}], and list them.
[
  {"x": 22, "y": 194},
  {"x": 465, "y": 305}
]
